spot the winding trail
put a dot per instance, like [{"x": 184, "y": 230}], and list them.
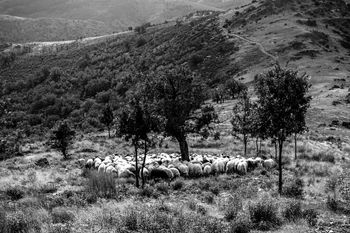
[{"x": 228, "y": 34}]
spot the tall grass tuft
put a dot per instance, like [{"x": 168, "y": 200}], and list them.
[{"x": 102, "y": 184}]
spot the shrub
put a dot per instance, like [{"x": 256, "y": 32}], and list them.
[
  {"x": 209, "y": 198},
  {"x": 264, "y": 214},
  {"x": 178, "y": 184},
  {"x": 101, "y": 184},
  {"x": 140, "y": 42},
  {"x": 61, "y": 138},
  {"x": 233, "y": 207},
  {"x": 332, "y": 203},
  {"x": 311, "y": 216},
  {"x": 192, "y": 204},
  {"x": 21, "y": 222},
  {"x": 293, "y": 211},
  {"x": 201, "y": 210},
  {"x": 130, "y": 219},
  {"x": 61, "y": 215},
  {"x": 294, "y": 188},
  {"x": 148, "y": 191},
  {"x": 48, "y": 188},
  {"x": 15, "y": 193},
  {"x": 240, "y": 225}
]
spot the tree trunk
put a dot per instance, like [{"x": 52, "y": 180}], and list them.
[
  {"x": 257, "y": 146},
  {"x": 143, "y": 166},
  {"x": 137, "y": 167},
  {"x": 295, "y": 147},
  {"x": 109, "y": 132},
  {"x": 183, "y": 148},
  {"x": 245, "y": 142},
  {"x": 276, "y": 150},
  {"x": 280, "y": 182},
  {"x": 260, "y": 142}
]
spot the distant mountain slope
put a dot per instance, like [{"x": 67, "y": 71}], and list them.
[
  {"x": 16, "y": 29},
  {"x": 45, "y": 18}
]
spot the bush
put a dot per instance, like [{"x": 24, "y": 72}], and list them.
[
  {"x": 15, "y": 193},
  {"x": 48, "y": 188},
  {"x": 21, "y": 222},
  {"x": 233, "y": 207},
  {"x": 178, "y": 184},
  {"x": 240, "y": 225},
  {"x": 311, "y": 216},
  {"x": 61, "y": 215},
  {"x": 293, "y": 211},
  {"x": 209, "y": 198},
  {"x": 130, "y": 219},
  {"x": 148, "y": 191},
  {"x": 140, "y": 42},
  {"x": 332, "y": 204},
  {"x": 264, "y": 214},
  {"x": 101, "y": 184},
  {"x": 294, "y": 188}
]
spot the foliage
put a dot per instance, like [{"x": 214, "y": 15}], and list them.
[
  {"x": 15, "y": 193},
  {"x": 294, "y": 188},
  {"x": 283, "y": 103},
  {"x": 311, "y": 216},
  {"x": 293, "y": 211},
  {"x": 243, "y": 120},
  {"x": 107, "y": 118},
  {"x": 61, "y": 138},
  {"x": 264, "y": 214},
  {"x": 235, "y": 88},
  {"x": 178, "y": 92},
  {"x": 61, "y": 215}
]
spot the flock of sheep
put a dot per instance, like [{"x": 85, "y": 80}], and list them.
[{"x": 169, "y": 166}]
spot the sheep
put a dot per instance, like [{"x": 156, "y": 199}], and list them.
[
  {"x": 269, "y": 163},
  {"x": 89, "y": 163},
  {"x": 125, "y": 173},
  {"x": 242, "y": 167},
  {"x": 195, "y": 170},
  {"x": 102, "y": 168},
  {"x": 231, "y": 166},
  {"x": 161, "y": 173},
  {"x": 252, "y": 164},
  {"x": 183, "y": 169},
  {"x": 175, "y": 172},
  {"x": 111, "y": 169},
  {"x": 218, "y": 166},
  {"x": 207, "y": 170}
]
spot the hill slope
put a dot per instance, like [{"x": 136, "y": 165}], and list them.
[
  {"x": 17, "y": 29},
  {"x": 218, "y": 46},
  {"x": 63, "y": 19}
]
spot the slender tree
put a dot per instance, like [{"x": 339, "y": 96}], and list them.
[
  {"x": 243, "y": 120},
  {"x": 282, "y": 93},
  {"x": 107, "y": 118},
  {"x": 136, "y": 122}
]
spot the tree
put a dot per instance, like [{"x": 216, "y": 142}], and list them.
[
  {"x": 136, "y": 122},
  {"x": 61, "y": 138},
  {"x": 107, "y": 118},
  {"x": 234, "y": 87},
  {"x": 283, "y": 103},
  {"x": 178, "y": 93},
  {"x": 243, "y": 120}
]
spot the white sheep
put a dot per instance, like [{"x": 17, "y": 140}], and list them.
[
  {"x": 195, "y": 170},
  {"x": 207, "y": 170},
  {"x": 102, "y": 168},
  {"x": 242, "y": 167}
]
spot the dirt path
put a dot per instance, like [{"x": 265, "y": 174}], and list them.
[{"x": 228, "y": 34}]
